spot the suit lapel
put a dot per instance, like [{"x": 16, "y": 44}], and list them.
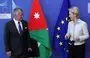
[
  {"x": 14, "y": 26},
  {"x": 23, "y": 25}
]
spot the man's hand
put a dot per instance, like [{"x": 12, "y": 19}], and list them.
[
  {"x": 29, "y": 49},
  {"x": 39, "y": 44},
  {"x": 8, "y": 53}
]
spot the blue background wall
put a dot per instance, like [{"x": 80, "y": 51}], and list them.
[{"x": 51, "y": 10}]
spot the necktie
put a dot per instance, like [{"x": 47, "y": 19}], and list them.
[{"x": 20, "y": 29}]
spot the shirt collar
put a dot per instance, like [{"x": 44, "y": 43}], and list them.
[{"x": 16, "y": 21}]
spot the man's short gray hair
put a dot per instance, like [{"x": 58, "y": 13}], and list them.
[{"x": 16, "y": 10}]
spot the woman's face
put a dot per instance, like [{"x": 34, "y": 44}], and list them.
[{"x": 72, "y": 16}]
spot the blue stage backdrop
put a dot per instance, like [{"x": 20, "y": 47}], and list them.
[{"x": 50, "y": 9}]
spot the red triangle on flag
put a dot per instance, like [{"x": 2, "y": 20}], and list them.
[{"x": 37, "y": 19}]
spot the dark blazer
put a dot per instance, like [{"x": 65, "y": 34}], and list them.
[{"x": 15, "y": 42}]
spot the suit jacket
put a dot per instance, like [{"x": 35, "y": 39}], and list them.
[{"x": 15, "y": 42}]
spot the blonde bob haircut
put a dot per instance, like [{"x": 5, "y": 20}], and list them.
[{"x": 75, "y": 10}]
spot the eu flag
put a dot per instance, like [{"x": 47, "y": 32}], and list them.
[{"x": 59, "y": 43}]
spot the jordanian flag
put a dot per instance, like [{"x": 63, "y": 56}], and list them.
[{"x": 39, "y": 30}]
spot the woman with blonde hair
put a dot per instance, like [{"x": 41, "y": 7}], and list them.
[{"x": 77, "y": 33}]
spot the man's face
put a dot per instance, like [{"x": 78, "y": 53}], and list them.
[{"x": 18, "y": 16}]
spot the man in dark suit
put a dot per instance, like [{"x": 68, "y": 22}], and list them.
[{"x": 17, "y": 36}]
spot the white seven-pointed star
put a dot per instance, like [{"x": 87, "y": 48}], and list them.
[
  {"x": 62, "y": 22},
  {"x": 58, "y": 28},
  {"x": 61, "y": 43},
  {"x": 36, "y": 15},
  {"x": 58, "y": 36}
]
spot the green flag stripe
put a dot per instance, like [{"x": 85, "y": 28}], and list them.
[{"x": 41, "y": 36}]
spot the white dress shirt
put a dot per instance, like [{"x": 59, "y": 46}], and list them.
[
  {"x": 78, "y": 30},
  {"x": 16, "y": 24}
]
